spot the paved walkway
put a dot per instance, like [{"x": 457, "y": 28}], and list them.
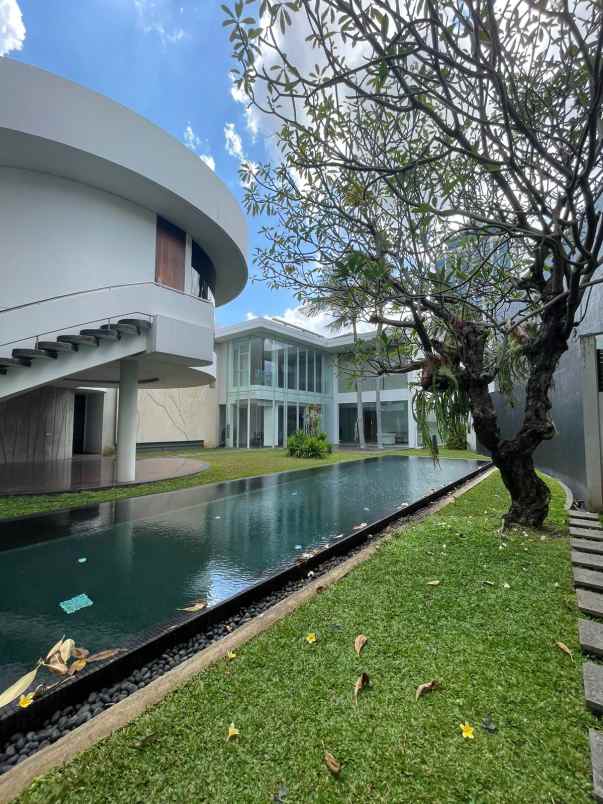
[
  {"x": 88, "y": 472},
  {"x": 587, "y": 560}
]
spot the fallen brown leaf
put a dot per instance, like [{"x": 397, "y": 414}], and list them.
[
  {"x": 57, "y": 666},
  {"x": 76, "y": 666},
  {"x": 562, "y": 646},
  {"x": 198, "y": 605},
  {"x": 66, "y": 650},
  {"x": 105, "y": 654},
  {"x": 428, "y": 686},
  {"x": 360, "y": 684},
  {"x": 433, "y": 583},
  {"x": 359, "y": 643},
  {"x": 332, "y": 764},
  {"x": 55, "y": 649}
]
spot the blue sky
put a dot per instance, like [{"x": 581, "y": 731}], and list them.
[{"x": 169, "y": 61}]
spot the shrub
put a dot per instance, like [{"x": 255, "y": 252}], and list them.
[{"x": 304, "y": 445}]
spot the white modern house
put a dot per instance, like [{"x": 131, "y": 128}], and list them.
[
  {"x": 117, "y": 243},
  {"x": 269, "y": 373}
]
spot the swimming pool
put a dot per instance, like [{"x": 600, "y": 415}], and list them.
[{"x": 142, "y": 559}]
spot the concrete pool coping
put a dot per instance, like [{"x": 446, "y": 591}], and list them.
[{"x": 15, "y": 781}]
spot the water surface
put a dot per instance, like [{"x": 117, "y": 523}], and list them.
[{"x": 148, "y": 556}]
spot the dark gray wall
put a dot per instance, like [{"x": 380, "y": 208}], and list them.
[
  {"x": 37, "y": 426},
  {"x": 563, "y": 456}
]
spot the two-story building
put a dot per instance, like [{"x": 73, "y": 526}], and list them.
[{"x": 270, "y": 374}]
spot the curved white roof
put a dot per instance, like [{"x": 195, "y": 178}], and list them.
[{"x": 58, "y": 127}]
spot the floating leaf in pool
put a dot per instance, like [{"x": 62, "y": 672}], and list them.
[
  {"x": 366, "y": 509},
  {"x": 218, "y": 517},
  {"x": 198, "y": 605},
  {"x": 361, "y": 525},
  {"x": 82, "y": 560},
  {"x": 298, "y": 546}
]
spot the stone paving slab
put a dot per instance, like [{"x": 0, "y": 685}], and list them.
[
  {"x": 590, "y": 602},
  {"x": 591, "y": 636},
  {"x": 584, "y": 514},
  {"x": 587, "y": 546},
  {"x": 585, "y": 533},
  {"x": 588, "y": 579},
  {"x": 588, "y": 560},
  {"x": 592, "y": 676},
  {"x": 596, "y": 756},
  {"x": 593, "y": 524}
]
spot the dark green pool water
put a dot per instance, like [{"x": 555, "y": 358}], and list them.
[{"x": 149, "y": 556}]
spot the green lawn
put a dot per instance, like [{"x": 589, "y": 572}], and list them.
[
  {"x": 491, "y": 647},
  {"x": 224, "y": 464}
]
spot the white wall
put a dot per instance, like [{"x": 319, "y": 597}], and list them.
[
  {"x": 178, "y": 414},
  {"x": 59, "y": 237}
]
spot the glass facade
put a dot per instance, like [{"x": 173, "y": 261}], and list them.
[
  {"x": 394, "y": 422},
  {"x": 272, "y": 383}
]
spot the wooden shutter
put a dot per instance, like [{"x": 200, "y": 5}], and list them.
[{"x": 169, "y": 255}]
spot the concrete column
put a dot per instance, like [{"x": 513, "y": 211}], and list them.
[
  {"x": 127, "y": 421},
  {"x": 334, "y": 413},
  {"x": 592, "y": 437}
]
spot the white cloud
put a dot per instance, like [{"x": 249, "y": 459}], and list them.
[
  {"x": 234, "y": 143},
  {"x": 250, "y": 316},
  {"x": 252, "y": 119},
  {"x": 193, "y": 142},
  {"x": 209, "y": 161},
  {"x": 156, "y": 17},
  {"x": 12, "y": 28}
]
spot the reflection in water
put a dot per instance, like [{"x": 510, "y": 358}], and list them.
[{"x": 149, "y": 557}]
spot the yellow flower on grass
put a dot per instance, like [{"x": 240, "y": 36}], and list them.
[
  {"x": 231, "y": 655},
  {"x": 26, "y": 700},
  {"x": 468, "y": 731},
  {"x": 232, "y": 732},
  {"x": 311, "y": 638}
]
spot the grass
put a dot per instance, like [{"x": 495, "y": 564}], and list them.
[
  {"x": 223, "y": 465},
  {"x": 491, "y": 647}
]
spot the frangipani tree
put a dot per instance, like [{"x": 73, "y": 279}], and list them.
[{"x": 459, "y": 144}]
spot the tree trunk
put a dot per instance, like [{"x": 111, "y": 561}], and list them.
[
  {"x": 513, "y": 457},
  {"x": 530, "y": 495}
]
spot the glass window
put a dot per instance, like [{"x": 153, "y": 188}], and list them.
[
  {"x": 243, "y": 403},
  {"x": 345, "y": 377},
  {"x": 394, "y": 420},
  {"x": 261, "y": 424},
  {"x": 268, "y": 366},
  {"x": 368, "y": 383},
  {"x": 291, "y": 419},
  {"x": 281, "y": 364},
  {"x": 240, "y": 364},
  {"x": 301, "y": 418},
  {"x": 257, "y": 361},
  {"x": 292, "y": 367},
  {"x": 318, "y": 373},
  {"x": 392, "y": 382},
  {"x": 310, "y": 370},
  {"x": 302, "y": 369}
]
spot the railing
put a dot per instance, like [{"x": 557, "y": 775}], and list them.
[
  {"x": 81, "y": 325},
  {"x": 98, "y": 290}
]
